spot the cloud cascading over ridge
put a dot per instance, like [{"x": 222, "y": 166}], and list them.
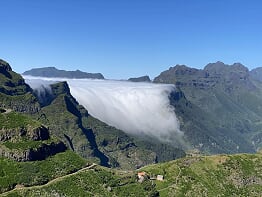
[{"x": 136, "y": 108}]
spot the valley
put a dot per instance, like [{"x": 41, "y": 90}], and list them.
[{"x": 50, "y": 144}]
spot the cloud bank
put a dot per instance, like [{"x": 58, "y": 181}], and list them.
[{"x": 136, "y": 108}]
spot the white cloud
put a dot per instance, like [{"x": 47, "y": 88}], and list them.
[{"x": 136, "y": 108}]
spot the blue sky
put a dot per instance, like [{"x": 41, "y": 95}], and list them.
[{"x": 123, "y": 38}]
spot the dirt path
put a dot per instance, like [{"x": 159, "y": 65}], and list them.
[{"x": 50, "y": 182}]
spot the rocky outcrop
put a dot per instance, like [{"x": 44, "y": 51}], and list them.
[
  {"x": 214, "y": 74},
  {"x": 33, "y": 154},
  {"x": 14, "y": 92},
  {"x": 11, "y": 82},
  {"x": 40, "y": 133},
  {"x": 28, "y": 144},
  {"x": 35, "y": 134},
  {"x": 5, "y": 66}
]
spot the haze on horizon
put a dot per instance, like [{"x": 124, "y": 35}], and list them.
[{"x": 123, "y": 39}]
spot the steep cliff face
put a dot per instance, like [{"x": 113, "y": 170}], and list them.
[
  {"x": 221, "y": 107},
  {"x": 81, "y": 132},
  {"x": 25, "y": 139},
  {"x": 92, "y": 138},
  {"x": 11, "y": 83},
  {"x": 213, "y": 75},
  {"x": 36, "y": 134},
  {"x": 14, "y": 92},
  {"x": 32, "y": 154}
]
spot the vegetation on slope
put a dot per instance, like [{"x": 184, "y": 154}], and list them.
[
  {"x": 14, "y": 120},
  {"x": 14, "y": 92},
  {"x": 218, "y": 175},
  {"x": 94, "y": 182},
  {"x": 220, "y": 109},
  {"x": 92, "y": 138},
  {"x": 14, "y": 173}
]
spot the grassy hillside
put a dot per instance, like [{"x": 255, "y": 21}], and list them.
[
  {"x": 37, "y": 172},
  {"x": 97, "y": 181},
  {"x": 11, "y": 120},
  {"x": 14, "y": 92},
  {"x": 218, "y": 175}
]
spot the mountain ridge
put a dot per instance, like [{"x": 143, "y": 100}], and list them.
[
  {"x": 54, "y": 72},
  {"x": 220, "y": 100},
  {"x": 203, "y": 111},
  {"x": 88, "y": 136}
]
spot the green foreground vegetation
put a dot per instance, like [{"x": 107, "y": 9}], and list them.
[
  {"x": 217, "y": 175},
  {"x": 99, "y": 181},
  {"x": 15, "y": 120},
  {"x": 14, "y": 173}
]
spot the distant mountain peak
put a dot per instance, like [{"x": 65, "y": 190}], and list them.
[
  {"x": 225, "y": 69},
  {"x": 54, "y": 72},
  {"x": 140, "y": 79}
]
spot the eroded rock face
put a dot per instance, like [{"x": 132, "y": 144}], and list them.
[
  {"x": 36, "y": 134},
  {"x": 213, "y": 74},
  {"x": 40, "y": 133},
  {"x": 39, "y": 137},
  {"x": 36, "y": 154}
]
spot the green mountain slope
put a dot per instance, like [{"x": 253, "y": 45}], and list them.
[
  {"x": 74, "y": 126},
  {"x": 20, "y": 174},
  {"x": 14, "y": 92},
  {"x": 220, "y": 107},
  {"x": 218, "y": 175},
  {"x": 90, "y": 137}
]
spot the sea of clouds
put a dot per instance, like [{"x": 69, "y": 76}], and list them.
[{"x": 136, "y": 108}]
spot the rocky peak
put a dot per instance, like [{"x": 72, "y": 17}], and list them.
[
  {"x": 217, "y": 67},
  {"x": 229, "y": 76},
  {"x": 4, "y": 66},
  {"x": 45, "y": 96},
  {"x": 183, "y": 70},
  {"x": 227, "y": 73},
  {"x": 220, "y": 67},
  {"x": 60, "y": 88}
]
